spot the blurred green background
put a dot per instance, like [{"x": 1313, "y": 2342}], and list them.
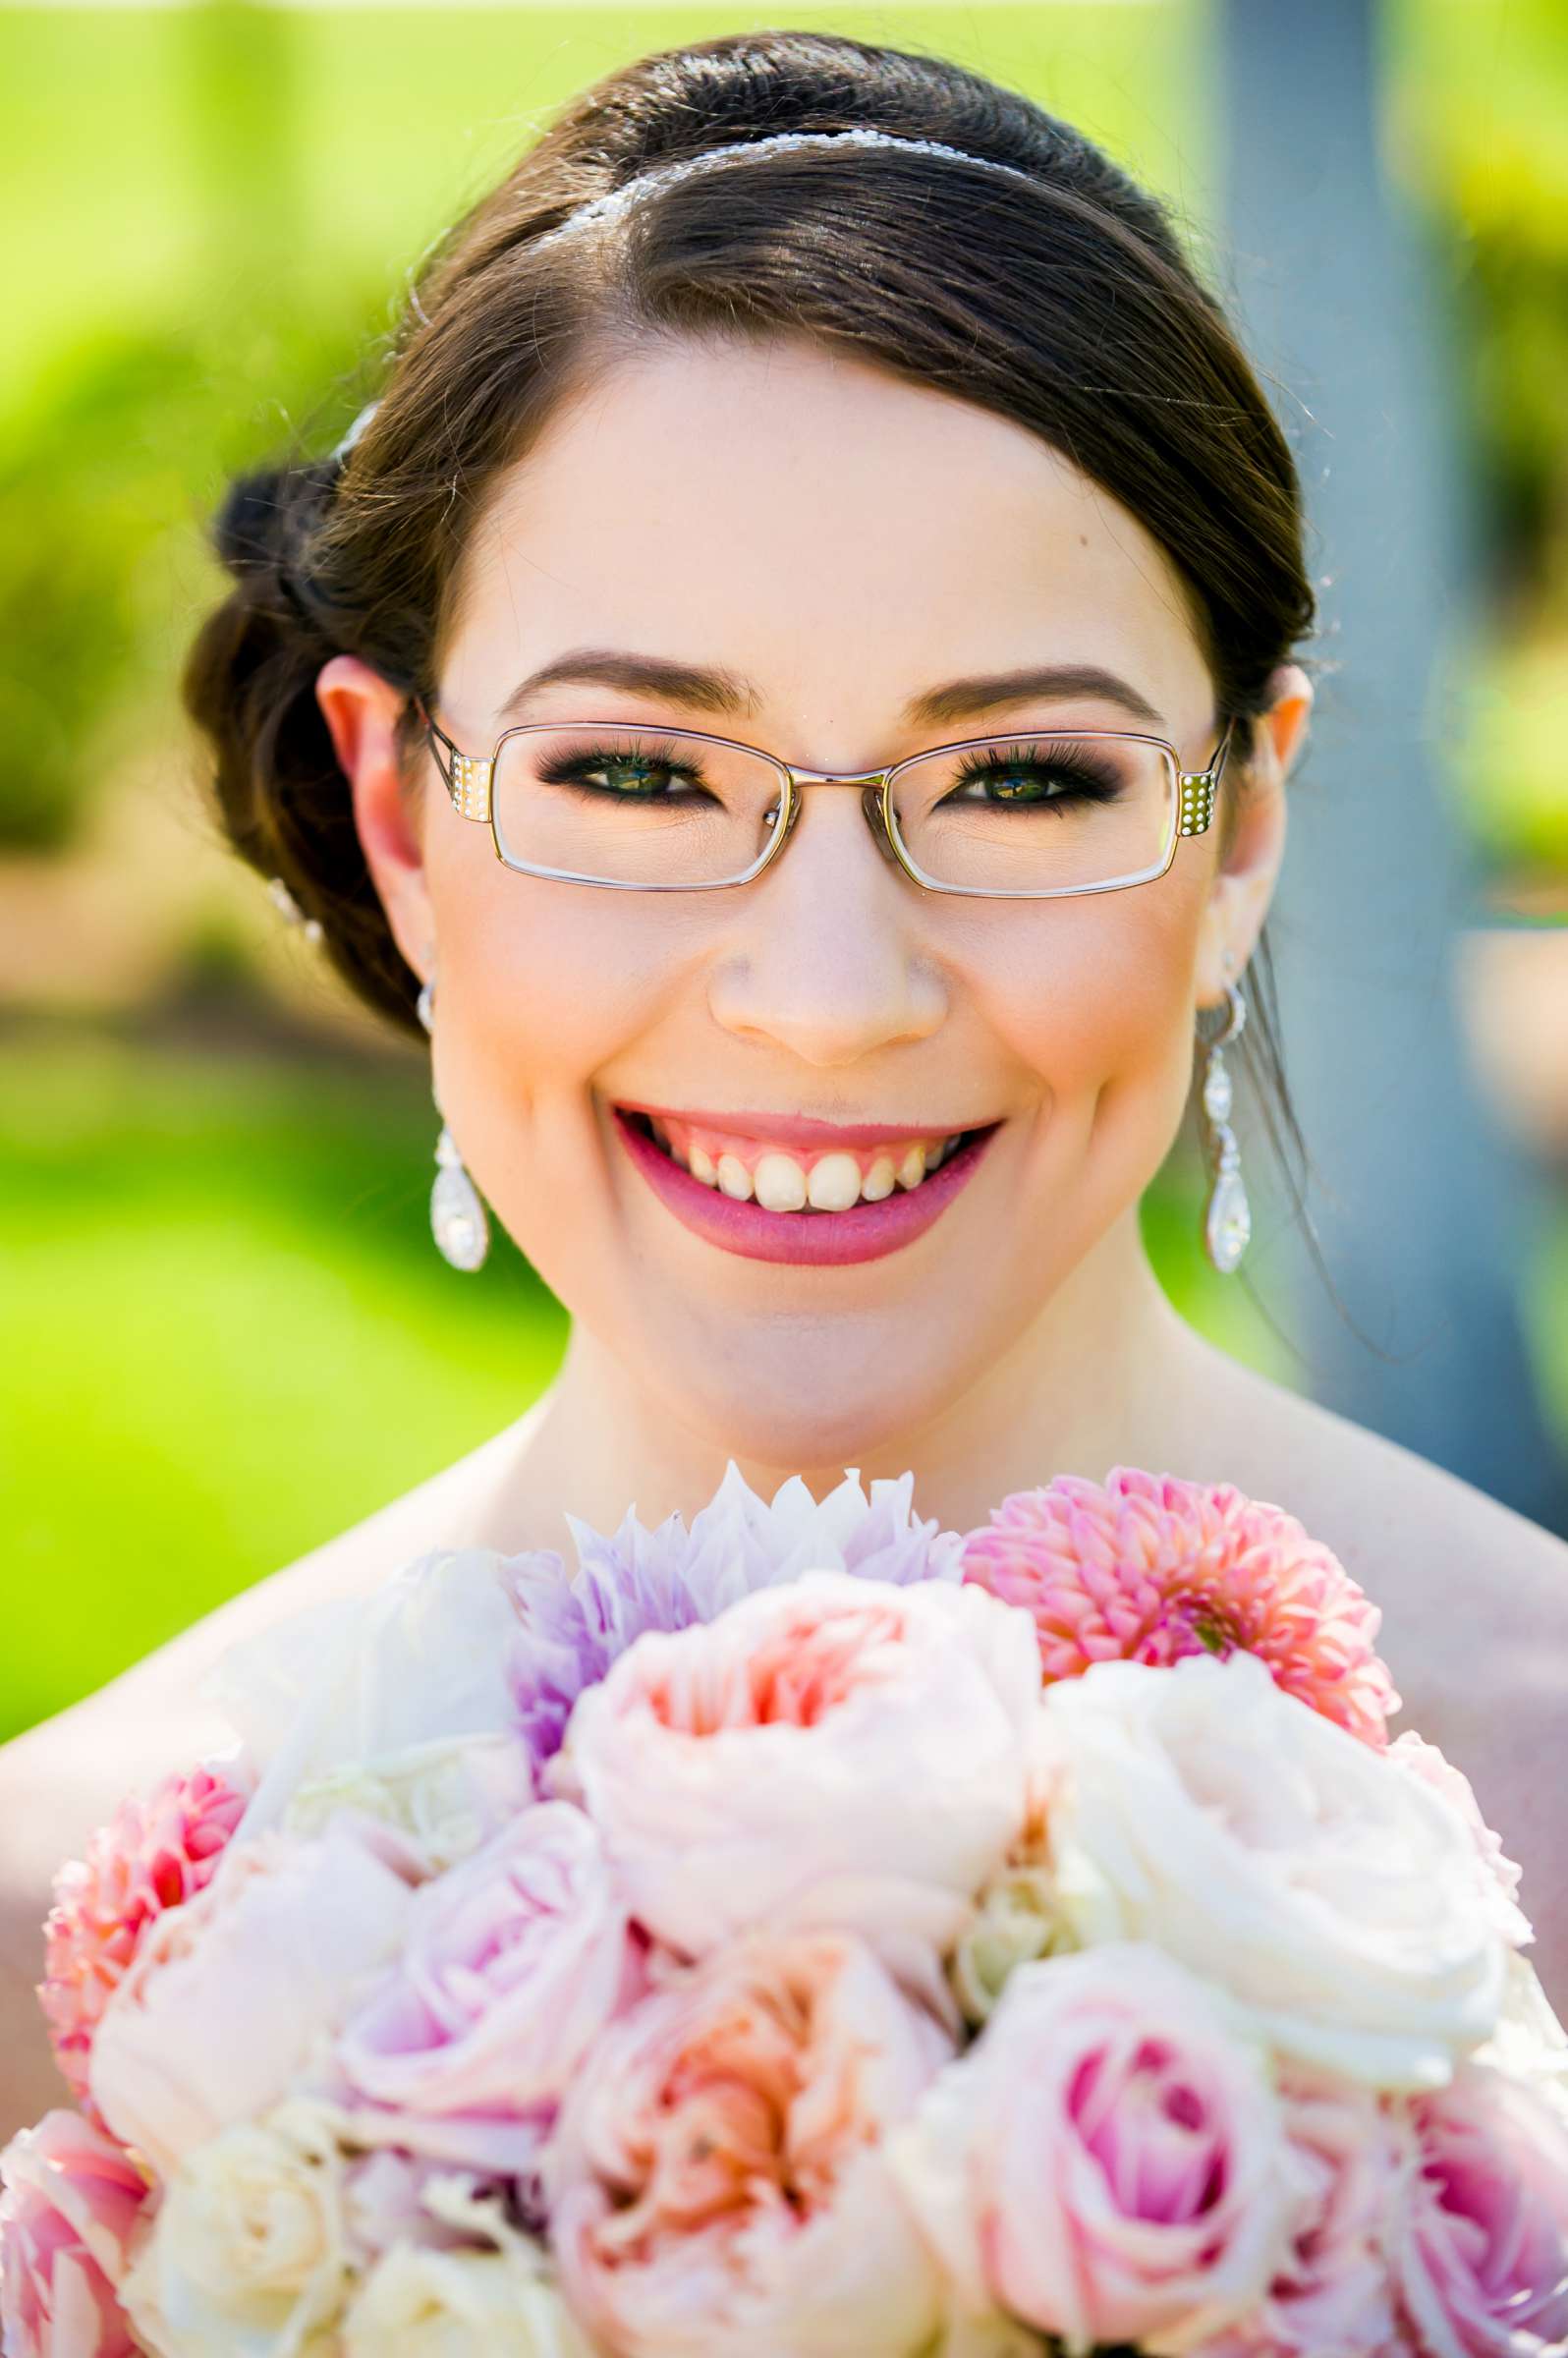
[{"x": 226, "y": 1334}]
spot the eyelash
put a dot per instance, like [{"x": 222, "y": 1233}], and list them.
[
  {"x": 650, "y": 756},
  {"x": 1093, "y": 783}
]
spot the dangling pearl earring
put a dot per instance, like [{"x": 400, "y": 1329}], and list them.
[
  {"x": 457, "y": 1217},
  {"x": 1227, "y": 1216}
]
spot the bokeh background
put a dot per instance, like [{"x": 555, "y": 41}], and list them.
[{"x": 224, "y": 1331}]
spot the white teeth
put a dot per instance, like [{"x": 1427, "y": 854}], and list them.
[
  {"x": 780, "y": 1183},
  {"x": 733, "y": 1178},
  {"x": 834, "y": 1184}
]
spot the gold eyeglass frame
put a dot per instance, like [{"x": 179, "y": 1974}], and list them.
[{"x": 468, "y": 781}]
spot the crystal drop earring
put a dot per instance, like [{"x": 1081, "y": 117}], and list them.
[
  {"x": 457, "y": 1215},
  {"x": 1227, "y": 1216}
]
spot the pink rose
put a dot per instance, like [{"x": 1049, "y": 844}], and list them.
[
  {"x": 717, "y": 2184},
  {"x": 230, "y": 1994},
  {"x": 1108, "y": 2162},
  {"x": 70, "y": 2203},
  {"x": 1333, "y": 2290},
  {"x": 1481, "y": 2243},
  {"x": 838, "y": 1751},
  {"x": 511, "y": 1966}
]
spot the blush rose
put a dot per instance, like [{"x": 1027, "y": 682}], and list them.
[{"x": 511, "y": 1966}]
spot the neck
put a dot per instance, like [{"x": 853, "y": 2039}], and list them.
[{"x": 1108, "y": 1373}]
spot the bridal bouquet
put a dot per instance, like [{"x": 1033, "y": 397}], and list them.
[{"x": 808, "y": 1935}]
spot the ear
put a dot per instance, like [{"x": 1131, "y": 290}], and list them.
[
  {"x": 1242, "y": 884},
  {"x": 362, "y": 710}
]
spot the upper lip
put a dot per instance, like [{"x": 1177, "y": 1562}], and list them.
[{"x": 800, "y": 1129}]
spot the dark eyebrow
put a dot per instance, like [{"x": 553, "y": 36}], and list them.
[
  {"x": 988, "y": 691},
  {"x": 725, "y": 693},
  {"x": 722, "y": 692}
]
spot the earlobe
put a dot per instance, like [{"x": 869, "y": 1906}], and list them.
[{"x": 362, "y": 710}]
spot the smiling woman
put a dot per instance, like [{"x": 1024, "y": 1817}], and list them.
[{"x": 819, "y": 532}]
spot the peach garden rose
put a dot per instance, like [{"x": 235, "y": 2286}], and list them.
[
  {"x": 717, "y": 2186},
  {"x": 837, "y": 1750}
]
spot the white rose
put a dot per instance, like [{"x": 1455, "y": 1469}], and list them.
[
  {"x": 1529, "y": 2042},
  {"x": 1329, "y": 1890},
  {"x": 245, "y": 2254},
  {"x": 420, "y": 2303},
  {"x": 446, "y": 1798}
]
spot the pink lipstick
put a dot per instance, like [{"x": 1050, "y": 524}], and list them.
[{"x": 824, "y": 1240}]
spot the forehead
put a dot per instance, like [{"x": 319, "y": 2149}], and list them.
[{"x": 834, "y": 534}]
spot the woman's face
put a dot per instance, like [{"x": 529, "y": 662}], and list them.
[{"x": 837, "y": 543}]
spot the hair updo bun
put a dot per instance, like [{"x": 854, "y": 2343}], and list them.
[
  {"x": 1060, "y": 300},
  {"x": 250, "y": 684}
]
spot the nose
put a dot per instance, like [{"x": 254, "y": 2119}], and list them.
[{"x": 826, "y": 954}]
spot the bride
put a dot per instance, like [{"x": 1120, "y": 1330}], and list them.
[{"x": 911, "y": 460}]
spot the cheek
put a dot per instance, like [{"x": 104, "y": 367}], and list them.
[
  {"x": 1094, "y": 996},
  {"x": 541, "y": 985}
]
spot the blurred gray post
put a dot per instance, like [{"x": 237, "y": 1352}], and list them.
[{"x": 1425, "y": 1214}]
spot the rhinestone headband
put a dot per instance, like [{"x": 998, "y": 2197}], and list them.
[{"x": 595, "y": 211}]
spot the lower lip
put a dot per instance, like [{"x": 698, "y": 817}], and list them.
[{"x": 819, "y": 1239}]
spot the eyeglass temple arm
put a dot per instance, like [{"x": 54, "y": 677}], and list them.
[
  {"x": 466, "y": 780},
  {"x": 1198, "y": 787}
]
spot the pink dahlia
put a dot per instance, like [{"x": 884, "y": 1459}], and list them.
[
  {"x": 1146, "y": 1568},
  {"x": 154, "y": 1854}
]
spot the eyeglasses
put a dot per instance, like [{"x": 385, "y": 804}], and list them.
[{"x": 635, "y": 808}]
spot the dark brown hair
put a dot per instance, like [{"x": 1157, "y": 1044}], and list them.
[{"x": 1063, "y": 301}]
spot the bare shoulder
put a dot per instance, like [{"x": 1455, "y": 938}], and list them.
[{"x": 1474, "y": 1600}]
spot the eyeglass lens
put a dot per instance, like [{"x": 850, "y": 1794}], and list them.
[{"x": 1027, "y": 813}]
